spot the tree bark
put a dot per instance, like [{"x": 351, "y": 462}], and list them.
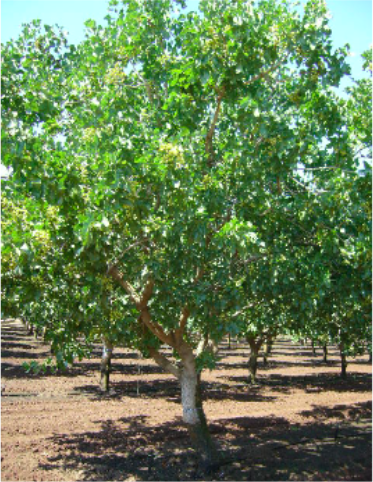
[
  {"x": 44, "y": 334},
  {"x": 253, "y": 365},
  {"x": 267, "y": 349},
  {"x": 313, "y": 348},
  {"x": 107, "y": 353},
  {"x": 193, "y": 414},
  {"x": 325, "y": 352},
  {"x": 253, "y": 360},
  {"x": 29, "y": 327},
  {"x": 270, "y": 340},
  {"x": 343, "y": 361}
]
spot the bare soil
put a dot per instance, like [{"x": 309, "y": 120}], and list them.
[{"x": 301, "y": 422}]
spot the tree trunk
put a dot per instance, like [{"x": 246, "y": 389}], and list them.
[
  {"x": 267, "y": 349},
  {"x": 325, "y": 352},
  {"x": 253, "y": 360},
  {"x": 107, "y": 353},
  {"x": 193, "y": 414},
  {"x": 253, "y": 365},
  {"x": 29, "y": 327},
  {"x": 369, "y": 352},
  {"x": 269, "y": 345},
  {"x": 313, "y": 348},
  {"x": 44, "y": 334},
  {"x": 343, "y": 361},
  {"x": 265, "y": 356}
]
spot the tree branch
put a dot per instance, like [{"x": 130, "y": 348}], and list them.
[
  {"x": 156, "y": 329},
  {"x": 311, "y": 169},
  {"x": 253, "y": 258},
  {"x": 240, "y": 312},
  {"x": 264, "y": 73},
  {"x": 141, "y": 304},
  {"x": 182, "y": 324},
  {"x": 200, "y": 273},
  {"x": 164, "y": 363},
  {"x": 118, "y": 277},
  {"x": 210, "y": 134},
  {"x": 316, "y": 191},
  {"x": 206, "y": 344},
  {"x": 146, "y": 294}
]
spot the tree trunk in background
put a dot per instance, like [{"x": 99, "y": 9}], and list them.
[
  {"x": 325, "y": 352},
  {"x": 343, "y": 361},
  {"x": 44, "y": 334},
  {"x": 313, "y": 348},
  {"x": 267, "y": 349},
  {"x": 193, "y": 414},
  {"x": 253, "y": 365},
  {"x": 270, "y": 341},
  {"x": 369, "y": 351},
  {"x": 107, "y": 353},
  {"x": 253, "y": 360},
  {"x": 29, "y": 327}
]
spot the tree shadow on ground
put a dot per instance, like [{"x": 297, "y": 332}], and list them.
[
  {"x": 125, "y": 448},
  {"x": 137, "y": 369},
  {"x": 13, "y": 345},
  {"x": 362, "y": 410},
  {"x": 118, "y": 354},
  {"x": 267, "y": 448},
  {"x": 13, "y": 353},
  {"x": 273, "y": 364},
  {"x": 16, "y": 343},
  {"x": 316, "y": 451},
  {"x": 170, "y": 390},
  {"x": 355, "y": 382}
]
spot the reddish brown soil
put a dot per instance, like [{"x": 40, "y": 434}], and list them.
[{"x": 302, "y": 422}]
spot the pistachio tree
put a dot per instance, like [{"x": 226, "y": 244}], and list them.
[
  {"x": 346, "y": 303},
  {"x": 168, "y": 146}
]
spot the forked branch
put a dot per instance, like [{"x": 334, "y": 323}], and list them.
[{"x": 164, "y": 362}]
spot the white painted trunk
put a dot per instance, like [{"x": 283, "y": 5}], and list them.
[
  {"x": 188, "y": 383},
  {"x": 189, "y": 386},
  {"x": 193, "y": 414}
]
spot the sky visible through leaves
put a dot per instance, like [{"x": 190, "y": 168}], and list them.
[{"x": 351, "y": 22}]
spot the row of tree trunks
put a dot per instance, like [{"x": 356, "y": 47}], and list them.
[
  {"x": 342, "y": 355},
  {"x": 37, "y": 331}
]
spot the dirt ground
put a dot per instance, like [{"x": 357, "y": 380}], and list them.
[{"x": 301, "y": 422}]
